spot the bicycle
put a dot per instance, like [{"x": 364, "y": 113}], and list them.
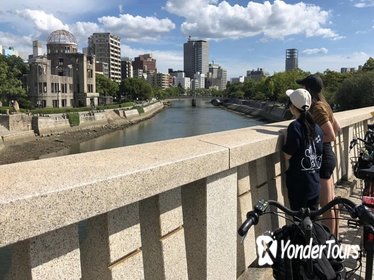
[
  {"x": 305, "y": 230},
  {"x": 363, "y": 168}
]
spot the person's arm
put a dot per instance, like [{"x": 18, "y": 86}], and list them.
[
  {"x": 336, "y": 126},
  {"x": 328, "y": 132}
]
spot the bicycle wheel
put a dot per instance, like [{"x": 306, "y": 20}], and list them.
[{"x": 369, "y": 265}]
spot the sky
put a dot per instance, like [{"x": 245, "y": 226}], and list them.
[{"x": 242, "y": 35}]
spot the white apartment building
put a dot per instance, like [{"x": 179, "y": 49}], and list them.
[
  {"x": 198, "y": 81},
  {"x": 107, "y": 48},
  {"x": 185, "y": 82}
]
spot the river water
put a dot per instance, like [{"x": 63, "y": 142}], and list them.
[{"x": 178, "y": 120}]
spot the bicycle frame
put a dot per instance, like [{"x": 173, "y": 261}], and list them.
[
  {"x": 307, "y": 220},
  {"x": 367, "y": 198}
]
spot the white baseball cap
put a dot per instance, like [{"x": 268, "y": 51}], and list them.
[{"x": 300, "y": 98}]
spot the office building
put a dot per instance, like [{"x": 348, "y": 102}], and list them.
[
  {"x": 10, "y": 51},
  {"x": 196, "y": 57},
  {"x": 107, "y": 48},
  {"x": 126, "y": 68},
  {"x": 292, "y": 62},
  {"x": 146, "y": 63},
  {"x": 217, "y": 77},
  {"x": 180, "y": 79},
  {"x": 236, "y": 80},
  {"x": 102, "y": 68},
  {"x": 160, "y": 80},
  {"x": 198, "y": 81}
]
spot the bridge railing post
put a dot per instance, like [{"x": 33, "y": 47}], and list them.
[{"x": 210, "y": 218}]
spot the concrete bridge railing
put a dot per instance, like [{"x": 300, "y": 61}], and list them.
[{"x": 163, "y": 210}]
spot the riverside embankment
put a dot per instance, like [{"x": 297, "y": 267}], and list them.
[
  {"x": 24, "y": 137},
  {"x": 270, "y": 111}
]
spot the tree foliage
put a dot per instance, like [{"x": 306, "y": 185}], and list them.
[
  {"x": 356, "y": 91},
  {"x": 12, "y": 68},
  {"x": 105, "y": 86},
  {"x": 136, "y": 89},
  {"x": 369, "y": 65}
]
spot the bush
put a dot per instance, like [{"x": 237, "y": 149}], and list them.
[
  {"x": 73, "y": 118},
  {"x": 140, "y": 109}
]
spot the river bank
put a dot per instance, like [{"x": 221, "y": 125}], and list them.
[{"x": 38, "y": 146}]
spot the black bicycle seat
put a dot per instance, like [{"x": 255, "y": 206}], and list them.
[{"x": 366, "y": 172}]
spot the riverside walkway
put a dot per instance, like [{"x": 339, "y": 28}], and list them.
[{"x": 162, "y": 210}]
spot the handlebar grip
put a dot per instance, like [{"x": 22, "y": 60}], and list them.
[
  {"x": 365, "y": 215},
  {"x": 252, "y": 219}
]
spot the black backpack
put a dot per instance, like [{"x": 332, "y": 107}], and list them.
[{"x": 323, "y": 268}]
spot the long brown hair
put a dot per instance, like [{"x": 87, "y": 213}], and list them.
[{"x": 306, "y": 119}]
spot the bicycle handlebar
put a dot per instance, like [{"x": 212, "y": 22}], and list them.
[{"x": 356, "y": 211}]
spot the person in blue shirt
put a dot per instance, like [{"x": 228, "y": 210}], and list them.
[{"x": 303, "y": 148}]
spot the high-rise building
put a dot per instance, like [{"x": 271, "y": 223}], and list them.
[
  {"x": 146, "y": 63},
  {"x": 198, "y": 81},
  {"x": 217, "y": 77},
  {"x": 107, "y": 48},
  {"x": 180, "y": 79},
  {"x": 292, "y": 62},
  {"x": 37, "y": 49},
  {"x": 126, "y": 68},
  {"x": 196, "y": 57}
]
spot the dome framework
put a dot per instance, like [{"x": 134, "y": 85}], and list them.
[{"x": 62, "y": 37}]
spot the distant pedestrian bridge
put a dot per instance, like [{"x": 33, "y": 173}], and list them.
[{"x": 162, "y": 210}]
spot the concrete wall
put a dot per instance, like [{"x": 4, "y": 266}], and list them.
[
  {"x": 16, "y": 122},
  {"x": 47, "y": 125},
  {"x": 59, "y": 122},
  {"x": 161, "y": 210}
]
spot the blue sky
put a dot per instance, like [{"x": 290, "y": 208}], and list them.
[{"x": 243, "y": 35}]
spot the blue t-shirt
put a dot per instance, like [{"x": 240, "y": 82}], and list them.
[{"x": 302, "y": 176}]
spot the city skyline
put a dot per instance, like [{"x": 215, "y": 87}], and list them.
[{"x": 242, "y": 35}]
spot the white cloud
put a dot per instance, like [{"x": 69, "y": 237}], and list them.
[
  {"x": 164, "y": 59},
  {"x": 137, "y": 27},
  {"x": 23, "y": 44},
  {"x": 41, "y": 20},
  {"x": 222, "y": 20},
  {"x": 364, "y": 3},
  {"x": 315, "y": 51},
  {"x": 59, "y": 8},
  {"x": 39, "y": 24}
]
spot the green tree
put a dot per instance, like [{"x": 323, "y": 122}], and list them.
[
  {"x": 283, "y": 81},
  {"x": 105, "y": 86},
  {"x": 369, "y": 65},
  {"x": 356, "y": 91},
  {"x": 332, "y": 81},
  {"x": 181, "y": 90},
  {"x": 136, "y": 88},
  {"x": 11, "y": 71}
]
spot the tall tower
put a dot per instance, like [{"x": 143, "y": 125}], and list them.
[
  {"x": 37, "y": 49},
  {"x": 292, "y": 62},
  {"x": 107, "y": 48},
  {"x": 196, "y": 57}
]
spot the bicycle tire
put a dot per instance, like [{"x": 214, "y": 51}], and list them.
[{"x": 369, "y": 265}]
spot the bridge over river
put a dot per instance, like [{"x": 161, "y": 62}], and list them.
[{"x": 161, "y": 210}]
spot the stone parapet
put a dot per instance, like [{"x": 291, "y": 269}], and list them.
[{"x": 167, "y": 210}]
